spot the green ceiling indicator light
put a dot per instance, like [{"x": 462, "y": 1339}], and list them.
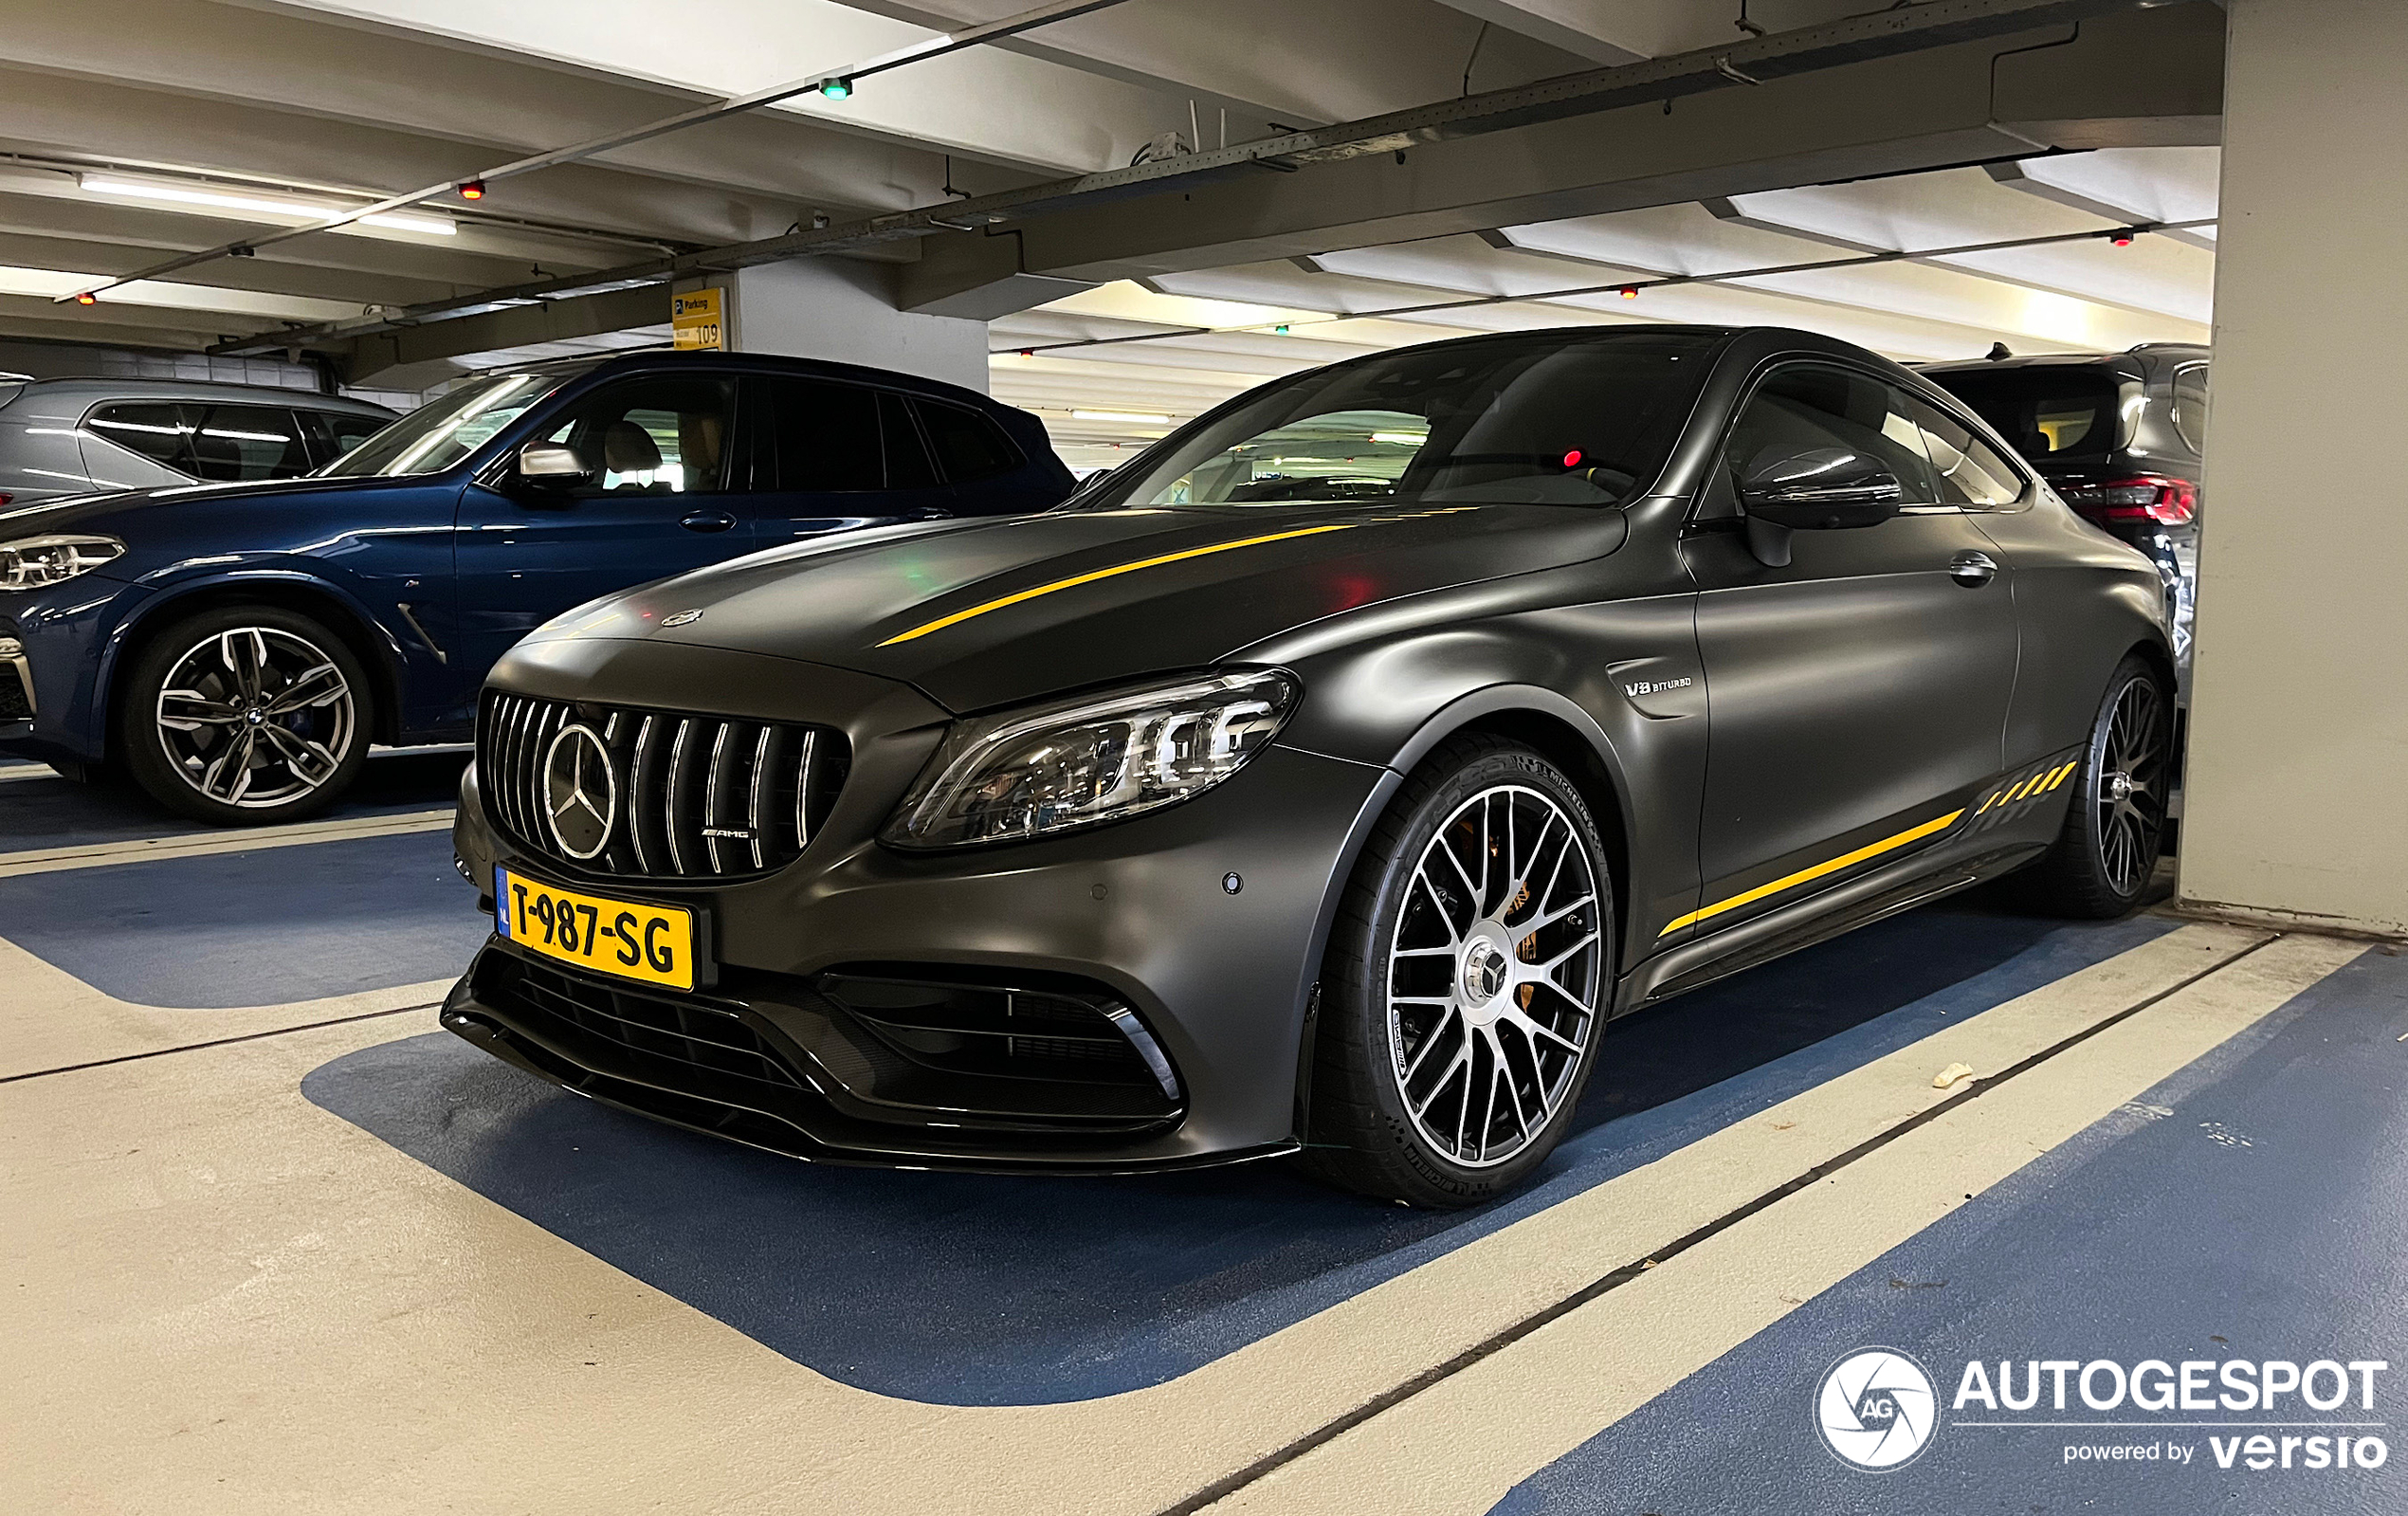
[
  {"x": 837, "y": 89},
  {"x": 1281, "y": 330}
]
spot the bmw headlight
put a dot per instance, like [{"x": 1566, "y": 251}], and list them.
[
  {"x": 31, "y": 563},
  {"x": 1079, "y": 763}
]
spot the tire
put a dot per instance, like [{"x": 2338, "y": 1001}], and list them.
[
  {"x": 1436, "y": 962},
  {"x": 2106, "y": 852},
  {"x": 245, "y": 716}
]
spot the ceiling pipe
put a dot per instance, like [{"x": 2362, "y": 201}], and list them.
[{"x": 937, "y": 46}]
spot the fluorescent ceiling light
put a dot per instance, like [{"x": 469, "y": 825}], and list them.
[
  {"x": 1410, "y": 439},
  {"x": 1134, "y": 417},
  {"x": 260, "y": 203}
]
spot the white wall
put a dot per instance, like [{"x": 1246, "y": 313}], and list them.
[
  {"x": 2298, "y": 799},
  {"x": 844, "y": 311}
]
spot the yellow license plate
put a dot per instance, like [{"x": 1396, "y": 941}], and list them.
[{"x": 653, "y": 943}]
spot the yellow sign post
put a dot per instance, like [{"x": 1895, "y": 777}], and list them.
[{"x": 696, "y": 319}]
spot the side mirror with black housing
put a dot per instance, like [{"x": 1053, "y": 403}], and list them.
[{"x": 1813, "y": 489}]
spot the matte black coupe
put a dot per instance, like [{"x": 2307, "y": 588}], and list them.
[{"x": 1323, "y": 780}]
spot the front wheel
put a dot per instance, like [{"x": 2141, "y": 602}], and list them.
[
  {"x": 2106, "y": 852},
  {"x": 245, "y": 714},
  {"x": 1465, "y": 984}
]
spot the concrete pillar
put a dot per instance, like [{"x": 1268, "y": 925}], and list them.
[
  {"x": 844, "y": 310},
  {"x": 2297, "y": 808}
]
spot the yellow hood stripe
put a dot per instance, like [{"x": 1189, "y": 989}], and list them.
[
  {"x": 960, "y": 617},
  {"x": 1807, "y": 875}
]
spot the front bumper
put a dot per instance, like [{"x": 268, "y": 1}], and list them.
[{"x": 1136, "y": 918}]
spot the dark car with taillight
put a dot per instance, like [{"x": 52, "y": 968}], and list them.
[{"x": 2119, "y": 435}]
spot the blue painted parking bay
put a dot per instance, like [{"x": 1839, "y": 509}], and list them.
[
  {"x": 382, "y": 1224},
  {"x": 2254, "y": 1207},
  {"x": 984, "y": 1290}
]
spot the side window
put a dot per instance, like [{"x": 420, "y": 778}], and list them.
[
  {"x": 240, "y": 443},
  {"x": 1805, "y": 407},
  {"x": 163, "y": 433},
  {"x": 969, "y": 445},
  {"x": 822, "y": 436},
  {"x": 1970, "y": 472},
  {"x": 333, "y": 433},
  {"x": 664, "y": 435},
  {"x": 907, "y": 464},
  {"x": 2190, "y": 405}
]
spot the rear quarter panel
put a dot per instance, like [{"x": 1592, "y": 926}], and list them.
[{"x": 2083, "y": 600}]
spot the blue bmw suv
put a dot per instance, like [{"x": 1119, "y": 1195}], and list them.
[{"x": 236, "y": 649}]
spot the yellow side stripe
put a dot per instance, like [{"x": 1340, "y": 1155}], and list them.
[
  {"x": 960, "y": 617},
  {"x": 1993, "y": 801},
  {"x": 1806, "y": 875},
  {"x": 2059, "y": 777}
]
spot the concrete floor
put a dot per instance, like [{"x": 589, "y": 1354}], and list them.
[{"x": 274, "y": 1244}]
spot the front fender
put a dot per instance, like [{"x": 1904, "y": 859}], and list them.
[{"x": 168, "y": 598}]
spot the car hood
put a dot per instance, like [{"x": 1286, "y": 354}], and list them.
[
  {"x": 112, "y": 512},
  {"x": 978, "y": 614}
]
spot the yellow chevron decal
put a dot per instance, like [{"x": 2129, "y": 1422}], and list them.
[
  {"x": 2059, "y": 777},
  {"x": 1808, "y": 875},
  {"x": 960, "y": 617}
]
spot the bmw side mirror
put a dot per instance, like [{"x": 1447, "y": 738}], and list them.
[
  {"x": 1818, "y": 488},
  {"x": 550, "y": 467}
]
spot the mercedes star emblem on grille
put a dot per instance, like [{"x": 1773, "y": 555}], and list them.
[{"x": 581, "y": 793}]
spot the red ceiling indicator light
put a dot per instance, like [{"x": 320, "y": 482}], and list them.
[
  {"x": 2123, "y": 239},
  {"x": 1630, "y": 292},
  {"x": 84, "y": 297},
  {"x": 473, "y": 189},
  {"x": 1572, "y": 459}
]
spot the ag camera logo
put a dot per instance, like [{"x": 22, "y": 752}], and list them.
[{"x": 1876, "y": 1409}]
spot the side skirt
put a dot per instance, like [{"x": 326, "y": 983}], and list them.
[{"x": 1910, "y": 882}]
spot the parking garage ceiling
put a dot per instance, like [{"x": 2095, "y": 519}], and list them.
[{"x": 135, "y": 131}]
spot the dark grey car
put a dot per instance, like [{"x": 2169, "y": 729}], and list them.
[{"x": 63, "y": 437}]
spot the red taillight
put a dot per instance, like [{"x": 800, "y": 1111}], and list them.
[{"x": 2141, "y": 498}]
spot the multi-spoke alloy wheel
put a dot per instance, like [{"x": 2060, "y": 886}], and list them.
[
  {"x": 1465, "y": 984},
  {"x": 254, "y": 716},
  {"x": 1493, "y": 977},
  {"x": 2129, "y": 787},
  {"x": 2107, "y": 849}
]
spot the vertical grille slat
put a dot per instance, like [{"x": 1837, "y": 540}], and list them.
[{"x": 688, "y": 786}]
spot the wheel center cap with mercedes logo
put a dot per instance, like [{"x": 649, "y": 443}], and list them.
[{"x": 581, "y": 793}]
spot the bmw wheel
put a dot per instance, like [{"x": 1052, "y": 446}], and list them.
[
  {"x": 2106, "y": 855},
  {"x": 1465, "y": 985},
  {"x": 244, "y": 715}
]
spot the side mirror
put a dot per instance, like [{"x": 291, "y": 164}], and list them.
[
  {"x": 551, "y": 465},
  {"x": 1818, "y": 488}
]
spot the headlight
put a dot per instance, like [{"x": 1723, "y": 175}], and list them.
[
  {"x": 1028, "y": 773},
  {"x": 31, "y": 562}
]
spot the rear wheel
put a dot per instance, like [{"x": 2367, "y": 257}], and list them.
[
  {"x": 245, "y": 714},
  {"x": 1465, "y": 984},
  {"x": 2106, "y": 855}
]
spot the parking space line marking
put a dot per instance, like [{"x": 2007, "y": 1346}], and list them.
[
  {"x": 201, "y": 845},
  {"x": 1960, "y": 1092},
  {"x": 215, "y": 1042},
  {"x": 1507, "y": 1415}
]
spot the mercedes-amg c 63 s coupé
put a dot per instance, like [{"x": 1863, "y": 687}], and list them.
[{"x": 1323, "y": 780}]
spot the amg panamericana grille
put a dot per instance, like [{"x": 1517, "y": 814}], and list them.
[{"x": 687, "y": 796}]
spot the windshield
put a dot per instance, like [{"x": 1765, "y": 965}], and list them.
[
  {"x": 446, "y": 429},
  {"x": 1563, "y": 419}
]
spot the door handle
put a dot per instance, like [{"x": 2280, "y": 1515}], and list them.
[
  {"x": 708, "y": 522},
  {"x": 1973, "y": 570}
]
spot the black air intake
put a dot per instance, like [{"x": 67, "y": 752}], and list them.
[{"x": 654, "y": 794}]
